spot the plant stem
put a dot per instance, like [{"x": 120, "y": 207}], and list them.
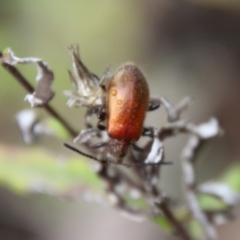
[
  {"x": 167, "y": 212},
  {"x": 188, "y": 158},
  {"x": 25, "y": 83}
]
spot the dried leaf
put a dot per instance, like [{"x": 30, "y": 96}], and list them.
[{"x": 43, "y": 93}]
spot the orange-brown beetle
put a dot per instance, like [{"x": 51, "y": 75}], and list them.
[
  {"x": 120, "y": 101},
  {"x": 126, "y": 106}
]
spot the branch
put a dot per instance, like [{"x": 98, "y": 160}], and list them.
[
  {"x": 188, "y": 156},
  {"x": 179, "y": 229},
  {"x": 25, "y": 84}
]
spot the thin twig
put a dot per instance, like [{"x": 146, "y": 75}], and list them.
[
  {"x": 163, "y": 206},
  {"x": 159, "y": 201},
  {"x": 179, "y": 229},
  {"x": 188, "y": 156},
  {"x": 25, "y": 83}
]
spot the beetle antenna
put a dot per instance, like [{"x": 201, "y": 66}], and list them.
[
  {"x": 92, "y": 157},
  {"x": 80, "y": 152},
  {"x": 152, "y": 164},
  {"x": 166, "y": 163}
]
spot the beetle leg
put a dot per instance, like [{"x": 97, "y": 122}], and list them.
[
  {"x": 101, "y": 125},
  {"x": 154, "y": 104},
  {"x": 147, "y": 132},
  {"x": 101, "y": 113},
  {"x": 172, "y": 112}
]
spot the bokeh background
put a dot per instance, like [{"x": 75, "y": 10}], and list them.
[{"x": 185, "y": 48}]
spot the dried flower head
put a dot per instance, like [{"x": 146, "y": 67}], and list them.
[{"x": 89, "y": 91}]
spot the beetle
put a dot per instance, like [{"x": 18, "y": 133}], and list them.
[
  {"x": 127, "y": 99},
  {"x": 119, "y": 100}
]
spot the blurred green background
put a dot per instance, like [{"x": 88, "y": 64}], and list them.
[{"x": 183, "y": 47}]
